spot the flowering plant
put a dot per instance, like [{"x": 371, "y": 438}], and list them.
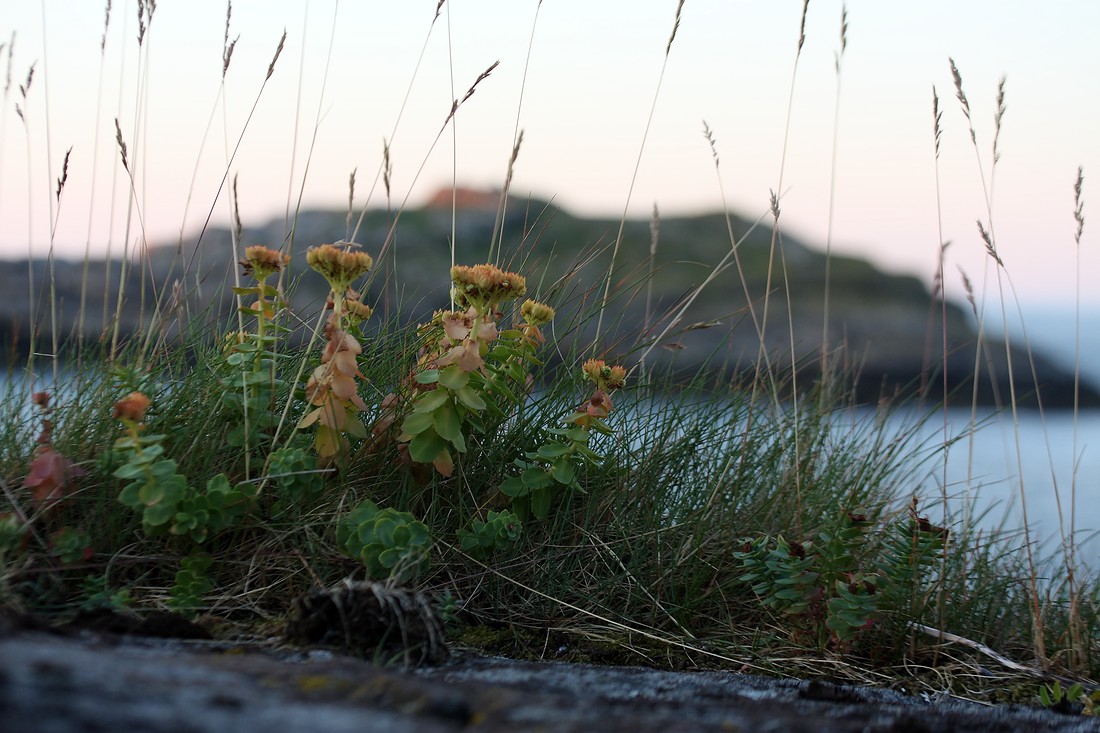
[{"x": 332, "y": 388}]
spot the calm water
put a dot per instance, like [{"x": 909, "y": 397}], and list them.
[
  {"x": 990, "y": 466},
  {"x": 1046, "y": 451}
]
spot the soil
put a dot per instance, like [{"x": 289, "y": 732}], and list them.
[{"x": 99, "y": 680}]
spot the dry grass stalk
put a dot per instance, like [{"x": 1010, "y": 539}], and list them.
[
  {"x": 496, "y": 241},
  {"x": 708, "y": 133},
  {"x": 106, "y": 25},
  {"x": 676, "y": 26},
  {"x": 989, "y": 238},
  {"x": 1079, "y": 205},
  {"x": 825, "y": 370},
  {"x": 121, "y": 145},
  {"x": 387, "y": 169},
  {"x": 64, "y": 175},
  {"x": 351, "y": 204},
  {"x": 802, "y": 25},
  {"x": 990, "y": 247},
  {"x": 517, "y": 141},
  {"x": 1078, "y": 635},
  {"x": 227, "y": 45},
  {"x": 469, "y": 93},
  {"x": 961, "y": 96},
  {"x": 998, "y": 115},
  {"x": 25, "y": 87},
  {"x": 937, "y": 117},
  {"x": 278, "y": 53},
  {"x": 145, "y": 11}
]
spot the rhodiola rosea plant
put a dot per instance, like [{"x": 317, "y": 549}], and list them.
[{"x": 290, "y": 435}]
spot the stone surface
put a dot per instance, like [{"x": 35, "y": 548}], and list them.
[{"x": 52, "y": 683}]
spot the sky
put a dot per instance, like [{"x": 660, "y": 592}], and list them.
[{"x": 580, "y": 78}]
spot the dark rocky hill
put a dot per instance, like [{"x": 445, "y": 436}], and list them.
[{"x": 885, "y": 330}]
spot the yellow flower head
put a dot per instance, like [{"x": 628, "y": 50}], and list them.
[
  {"x": 340, "y": 267},
  {"x": 356, "y": 310},
  {"x": 593, "y": 368},
  {"x": 535, "y": 313},
  {"x": 131, "y": 407},
  {"x": 606, "y": 377},
  {"x": 262, "y": 262},
  {"x": 486, "y": 286}
]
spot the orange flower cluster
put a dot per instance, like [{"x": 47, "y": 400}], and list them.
[
  {"x": 331, "y": 387},
  {"x": 357, "y": 311},
  {"x": 339, "y": 266},
  {"x": 536, "y": 313},
  {"x": 263, "y": 262},
  {"x": 132, "y": 407},
  {"x": 607, "y": 379},
  {"x": 484, "y": 287}
]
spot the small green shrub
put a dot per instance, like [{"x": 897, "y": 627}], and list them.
[
  {"x": 96, "y": 593},
  {"x": 1072, "y": 699},
  {"x": 390, "y": 543},
  {"x": 842, "y": 582},
  {"x": 499, "y": 530},
  {"x": 160, "y": 494},
  {"x": 297, "y": 482},
  {"x": 556, "y": 462},
  {"x": 191, "y": 584}
]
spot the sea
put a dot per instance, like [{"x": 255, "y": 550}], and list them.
[
  {"x": 1004, "y": 470},
  {"x": 1040, "y": 466}
]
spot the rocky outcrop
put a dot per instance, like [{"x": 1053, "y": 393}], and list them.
[
  {"x": 885, "y": 331},
  {"x": 96, "y": 682}
]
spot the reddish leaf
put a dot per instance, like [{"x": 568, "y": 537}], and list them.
[{"x": 50, "y": 476}]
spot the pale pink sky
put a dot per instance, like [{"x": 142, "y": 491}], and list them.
[{"x": 594, "y": 67}]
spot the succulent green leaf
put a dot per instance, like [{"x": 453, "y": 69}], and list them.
[
  {"x": 417, "y": 423},
  {"x": 219, "y": 482},
  {"x": 151, "y": 493},
  {"x": 129, "y": 471},
  {"x": 514, "y": 486},
  {"x": 552, "y": 451},
  {"x": 431, "y": 401},
  {"x": 454, "y": 378},
  {"x": 563, "y": 472},
  {"x": 355, "y": 428},
  {"x": 470, "y": 398},
  {"x": 578, "y": 435},
  {"x": 158, "y": 514},
  {"x": 426, "y": 446},
  {"x": 536, "y": 478},
  {"x": 540, "y": 502},
  {"x": 129, "y": 495},
  {"x": 430, "y": 376},
  {"x": 449, "y": 427}
]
